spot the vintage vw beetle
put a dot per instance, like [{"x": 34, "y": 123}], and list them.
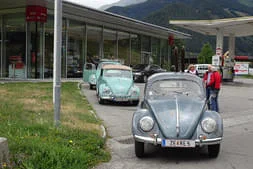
[
  {"x": 116, "y": 84},
  {"x": 174, "y": 114},
  {"x": 91, "y": 73}
]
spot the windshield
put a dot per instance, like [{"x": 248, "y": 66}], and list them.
[
  {"x": 169, "y": 88},
  {"x": 140, "y": 66},
  {"x": 117, "y": 73}
]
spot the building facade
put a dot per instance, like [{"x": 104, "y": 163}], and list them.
[{"x": 26, "y": 43}]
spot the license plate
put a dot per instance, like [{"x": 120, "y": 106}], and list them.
[
  {"x": 121, "y": 99},
  {"x": 178, "y": 143}
]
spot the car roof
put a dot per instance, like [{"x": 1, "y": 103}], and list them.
[{"x": 113, "y": 66}]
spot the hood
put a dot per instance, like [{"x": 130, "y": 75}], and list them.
[
  {"x": 165, "y": 112},
  {"x": 119, "y": 86}
]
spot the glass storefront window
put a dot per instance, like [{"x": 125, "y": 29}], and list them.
[
  {"x": 13, "y": 54},
  {"x": 94, "y": 44},
  {"x": 49, "y": 47},
  {"x": 135, "y": 49},
  {"x": 145, "y": 49},
  {"x": 1, "y": 47},
  {"x": 124, "y": 47},
  {"x": 110, "y": 42},
  {"x": 155, "y": 59},
  {"x": 75, "y": 57},
  {"x": 165, "y": 60}
]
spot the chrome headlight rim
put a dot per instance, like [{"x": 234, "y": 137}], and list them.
[
  {"x": 209, "y": 125},
  {"x": 146, "y": 123},
  {"x": 133, "y": 91},
  {"x": 107, "y": 91}
]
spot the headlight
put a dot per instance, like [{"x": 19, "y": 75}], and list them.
[
  {"x": 107, "y": 91},
  {"x": 137, "y": 74},
  {"x": 133, "y": 91},
  {"x": 208, "y": 125},
  {"x": 146, "y": 123}
]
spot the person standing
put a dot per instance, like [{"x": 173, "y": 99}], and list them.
[
  {"x": 192, "y": 70},
  {"x": 215, "y": 84},
  {"x": 207, "y": 81}
]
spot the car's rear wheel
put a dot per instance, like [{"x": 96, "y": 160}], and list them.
[
  {"x": 139, "y": 149},
  {"x": 213, "y": 150}
]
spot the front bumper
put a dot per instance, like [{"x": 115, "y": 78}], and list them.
[
  {"x": 120, "y": 99},
  {"x": 157, "y": 140}
]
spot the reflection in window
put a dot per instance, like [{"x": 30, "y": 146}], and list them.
[
  {"x": 94, "y": 43},
  {"x": 14, "y": 46},
  {"x": 117, "y": 73},
  {"x": 135, "y": 49},
  {"x": 110, "y": 42},
  {"x": 123, "y": 47},
  {"x": 75, "y": 59},
  {"x": 156, "y": 51},
  {"x": 164, "y": 53}
]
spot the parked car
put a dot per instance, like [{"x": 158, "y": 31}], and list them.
[
  {"x": 91, "y": 73},
  {"x": 174, "y": 113},
  {"x": 141, "y": 72},
  {"x": 116, "y": 84},
  {"x": 201, "y": 68}
]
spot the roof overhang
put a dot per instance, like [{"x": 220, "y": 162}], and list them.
[
  {"x": 239, "y": 27},
  {"x": 97, "y": 17}
]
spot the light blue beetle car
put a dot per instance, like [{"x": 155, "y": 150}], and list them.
[
  {"x": 91, "y": 73},
  {"x": 115, "y": 84},
  {"x": 174, "y": 114}
]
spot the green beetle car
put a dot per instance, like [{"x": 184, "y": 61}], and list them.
[
  {"x": 116, "y": 84},
  {"x": 91, "y": 74}
]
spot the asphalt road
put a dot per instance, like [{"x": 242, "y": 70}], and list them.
[{"x": 236, "y": 105}]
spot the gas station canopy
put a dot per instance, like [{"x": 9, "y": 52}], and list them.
[{"x": 238, "y": 27}]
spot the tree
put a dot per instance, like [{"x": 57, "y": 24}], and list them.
[{"x": 205, "y": 56}]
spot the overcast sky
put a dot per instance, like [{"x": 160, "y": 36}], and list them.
[{"x": 93, "y": 3}]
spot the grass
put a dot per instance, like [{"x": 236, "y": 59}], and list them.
[{"x": 27, "y": 121}]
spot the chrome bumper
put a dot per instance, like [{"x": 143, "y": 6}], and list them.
[
  {"x": 113, "y": 99},
  {"x": 157, "y": 140}
]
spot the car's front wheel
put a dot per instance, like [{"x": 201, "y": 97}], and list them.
[
  {"x": 139, "y": 149},
  {"x": 135, "y": 103},
  {"x": 100, "y": 100},
  {"x": 91, "y": 86},
  {"x": 213, "y": 150}
]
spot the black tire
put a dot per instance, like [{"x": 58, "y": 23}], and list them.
[
  {"x": 91, "y": 86},
  {"x": 101, "y": 101},
  {"x": 139, "y": 149},
  {"x": 135, "y": 103},
  {"x": 213, "y": 150}
]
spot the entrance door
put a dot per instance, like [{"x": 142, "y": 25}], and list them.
[{"x": 35, "y": 46}]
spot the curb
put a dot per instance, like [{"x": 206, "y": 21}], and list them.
[{"x": 104, "y": 133}]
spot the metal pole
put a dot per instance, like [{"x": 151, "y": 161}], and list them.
[{"x": 57, "y": 60}]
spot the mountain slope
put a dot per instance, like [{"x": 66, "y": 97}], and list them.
[
  {"x": 122, "y": 3},
  {"x": 159, "y": 12}
]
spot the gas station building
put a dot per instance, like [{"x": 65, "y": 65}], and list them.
[{"x": 27, "y": 37}]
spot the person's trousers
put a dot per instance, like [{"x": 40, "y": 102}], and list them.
[
  {"x": 208, "y": 91},
  {"x": 214, "y": 100}
]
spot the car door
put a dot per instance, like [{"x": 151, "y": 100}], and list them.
[{"x": 88, "y": 70}]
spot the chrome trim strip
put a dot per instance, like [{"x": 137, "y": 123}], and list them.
[
  {"x": 178, "y": 125},
  {"x": 198, "y": 142}
]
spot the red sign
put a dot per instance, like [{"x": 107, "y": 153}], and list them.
[
  {"x": 171, "y": 40},
  {"x": 36, "y": 14}
]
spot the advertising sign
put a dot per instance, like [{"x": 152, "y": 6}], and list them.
[
  {"x": 241, "y": 68},
  {"x": 36, "y": 13},
  {"x": 216, "y": 60}
]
